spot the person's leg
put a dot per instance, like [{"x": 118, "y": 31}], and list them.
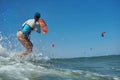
[{"x": 26, "y": 43}]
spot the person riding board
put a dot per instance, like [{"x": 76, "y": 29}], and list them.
[{"x": 24, "y": 33}]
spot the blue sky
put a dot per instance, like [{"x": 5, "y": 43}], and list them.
[{"x": 75, "y": 26}]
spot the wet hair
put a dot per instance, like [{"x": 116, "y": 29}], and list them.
[{"x": 37, "y": 15}]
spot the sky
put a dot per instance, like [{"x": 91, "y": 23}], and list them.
[{"x": 75, "y": 26}]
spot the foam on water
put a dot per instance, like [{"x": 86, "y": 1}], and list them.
[{"x": 10, "y": 69}]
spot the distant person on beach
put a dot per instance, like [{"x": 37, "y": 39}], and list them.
[{"x": 23, "y": 34}]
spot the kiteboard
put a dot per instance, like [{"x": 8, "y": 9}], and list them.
[{"x": 43, "y": 26}]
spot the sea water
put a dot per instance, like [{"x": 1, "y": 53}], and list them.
[
  {"x": 92, "y": 68},
  {"x": 37, "y": 67}
]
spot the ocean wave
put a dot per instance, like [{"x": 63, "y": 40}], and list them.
[{"x": 27, "y": 70}]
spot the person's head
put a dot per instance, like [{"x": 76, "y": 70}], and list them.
[{"x": 37, "y": 16}]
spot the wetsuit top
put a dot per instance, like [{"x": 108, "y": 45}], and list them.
[{"x": 30, "y": 25}]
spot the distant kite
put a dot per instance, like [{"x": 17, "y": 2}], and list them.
[
  {"x": 102, "y": 34},
  {"x": 53, "y": 45}
]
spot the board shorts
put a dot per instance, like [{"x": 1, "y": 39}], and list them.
[{"x": 26, "y": 29}]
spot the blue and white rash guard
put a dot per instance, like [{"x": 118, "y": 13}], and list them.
[{"x": 30, "y": 25}]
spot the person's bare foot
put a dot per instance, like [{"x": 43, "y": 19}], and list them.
[{"x": 21, "y": 55}]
